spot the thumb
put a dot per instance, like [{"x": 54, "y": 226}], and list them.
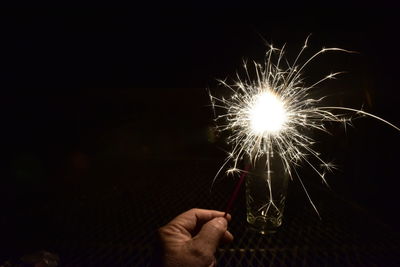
[{"x": 210, "y": 234}]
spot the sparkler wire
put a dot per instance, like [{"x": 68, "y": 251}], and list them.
[{"x": 236, "y": 191}]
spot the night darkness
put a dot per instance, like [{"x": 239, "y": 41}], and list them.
[{"x": 110, "y": 106}]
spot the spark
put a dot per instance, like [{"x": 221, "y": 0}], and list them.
[
  {"x": 267, "y": 114},
  {"x": 271, "y": 110}
]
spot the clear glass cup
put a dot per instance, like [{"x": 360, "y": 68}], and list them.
[{"x": 266, "y": 193}]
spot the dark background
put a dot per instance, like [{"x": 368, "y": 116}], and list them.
[{"x": 96, "y": 92}]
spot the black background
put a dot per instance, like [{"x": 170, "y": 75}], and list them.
[{"x": 89, "y": 89}]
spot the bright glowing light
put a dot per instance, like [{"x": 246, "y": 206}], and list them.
[
  {"x": 271, "y": 111},
  {"x": 267, "y": 114}
]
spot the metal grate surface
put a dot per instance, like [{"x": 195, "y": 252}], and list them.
[{"x": 111, "y": 222}]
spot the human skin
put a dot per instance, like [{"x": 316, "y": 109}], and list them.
[{"x": 192, "y": 238}]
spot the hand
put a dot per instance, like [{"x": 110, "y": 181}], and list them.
[{"x": 192, "y": 238}]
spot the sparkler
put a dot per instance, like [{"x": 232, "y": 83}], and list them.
[{"x": 272, "y": 112}]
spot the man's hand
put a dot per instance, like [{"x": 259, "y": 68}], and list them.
[{"x": 192, "y": 238}]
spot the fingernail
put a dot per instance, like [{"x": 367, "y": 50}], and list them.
[{"x": 222, "y": 221}]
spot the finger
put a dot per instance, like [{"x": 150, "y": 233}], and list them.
[
  {"x": 193, "y": 217},
  {"x": 227, "y": 237},
  {"x": 228, "y": 217},
  {"x": 205, "y": 215},
  {"x": 211, "y": 235}
]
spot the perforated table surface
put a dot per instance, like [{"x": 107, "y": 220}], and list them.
[{"x": 111, "y": 222}]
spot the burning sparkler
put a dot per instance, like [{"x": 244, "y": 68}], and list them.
[{"x": 271, "y": 113}]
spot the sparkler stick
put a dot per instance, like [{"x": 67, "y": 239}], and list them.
[{"x": 236, "y": 191}]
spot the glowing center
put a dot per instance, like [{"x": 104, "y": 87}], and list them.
[{"x": 267, "y": 114}]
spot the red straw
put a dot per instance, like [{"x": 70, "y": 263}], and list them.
[{"x": 236, "y": 191}]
